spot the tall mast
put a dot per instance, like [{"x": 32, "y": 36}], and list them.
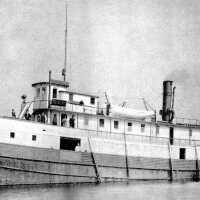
[{"x": 65, "y": 61}]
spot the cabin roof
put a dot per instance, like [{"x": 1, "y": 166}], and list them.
[
  {"x": 53, "y": 82},
  {"x": 79, "y": 93}
]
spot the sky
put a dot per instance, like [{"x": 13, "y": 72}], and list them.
[{"x": 125, "y": 48}]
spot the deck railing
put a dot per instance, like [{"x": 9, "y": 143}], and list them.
[
  {"x": 144, "y": 138},
  {"x": 187, "y": 122}
]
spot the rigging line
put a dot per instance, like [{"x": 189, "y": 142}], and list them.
[
  {"x": 65, "y": 61},
  {"x": 70, "y": 67}
]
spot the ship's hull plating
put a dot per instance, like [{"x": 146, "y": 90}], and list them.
[{"x": 27, "y": 165}]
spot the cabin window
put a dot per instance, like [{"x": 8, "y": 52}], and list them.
[
  {"x": 12, "y": 134},
  {"x": 81, "y": 103},
  {"x": 171, "y": 135},
  {"x": 33, "y": 137},
  {"x": 54, "y": 93},
  {"x": 37, "y": 92},
  {"x": 86, "y": 120},
  {"x": 142, "y": 128},
  {"x": 116, "y": 124},
  {"x": 92, "y": 100},
  {"x": 129, "y": 126},
  {"x": 190, "y": 132},
  {"x": 69, "y": 143},
  {"x": 70, "y": 97},
  {"x": 101, "y": 122},
  {"x": 182, "y": 153},
  {"x": 190, "y": 135},
  {"x": 157, "y": 130}
]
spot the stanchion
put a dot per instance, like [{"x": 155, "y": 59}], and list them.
[
  {"x": 94, "y": 162},
  {"x": 170, "y": 164}
]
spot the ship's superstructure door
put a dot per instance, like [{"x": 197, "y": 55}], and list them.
[{"x": 69, "y": 143}]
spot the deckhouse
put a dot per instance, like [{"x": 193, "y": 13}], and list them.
[
  {"x": 54, "y": 100},
  {"x": 106, "y": 142}
]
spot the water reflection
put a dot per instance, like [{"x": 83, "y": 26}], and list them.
[{"x": 133, "y": 191}]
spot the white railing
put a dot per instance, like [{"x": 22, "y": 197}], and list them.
[
  {"x": 143, "y": 138},
  {"x": 186, "y": 122}
]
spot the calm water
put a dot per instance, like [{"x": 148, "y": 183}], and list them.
[{"x": 150, "y": 191}]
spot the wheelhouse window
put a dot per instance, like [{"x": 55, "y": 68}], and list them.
[
  {"x": 54, "y": 93},
  {"x": 182, "y": 153},
  {"x": 101, "y": 123},
  {"x": 43, "y": 92},
  {"x": 129, "y": 126},
  {"x": 116, "y": 124},
  {"x": 37, "y": 92},
  {"x": 69, "y": 143},
  {"x": 142, "y": 128},
  {"x": 44, "y": 89},
  {"x": 12, "y": 134},
  {"x": 92, "y": 100}
]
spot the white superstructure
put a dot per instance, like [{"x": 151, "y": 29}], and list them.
[{"x": 60, "y": 114}]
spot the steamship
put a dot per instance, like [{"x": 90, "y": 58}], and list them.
[
  {"x": 65, "y": 136},
  {"x": 72, "y": 138}
]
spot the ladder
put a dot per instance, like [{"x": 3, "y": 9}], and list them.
[{"x": 23, "y": 111}]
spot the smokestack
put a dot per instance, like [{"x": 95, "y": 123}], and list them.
[{"x": 167, "y": 111}]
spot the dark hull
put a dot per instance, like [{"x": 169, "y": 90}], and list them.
[{"x": 27, "y": 165}]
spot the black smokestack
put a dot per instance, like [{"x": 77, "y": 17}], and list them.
[{"x": 167, "y": 111}]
